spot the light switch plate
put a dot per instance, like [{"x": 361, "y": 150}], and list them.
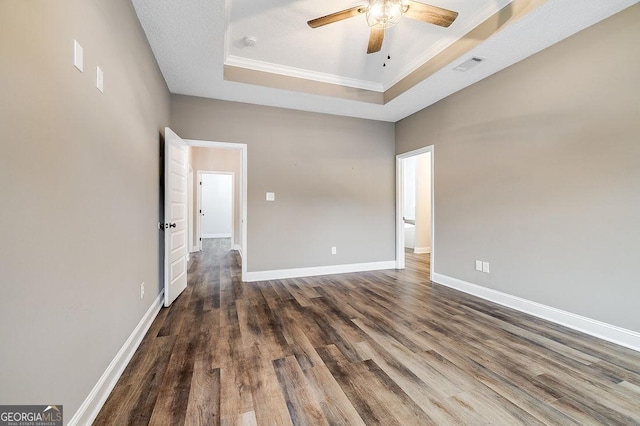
[
  {"x": 271, "y": 196},
  {"x": 479, "y": 265},
  {"x": 334, "y": 250},
  {"x": 485, "y": 267},
  {"x": 99, "y": 79},
  {"x": 78, "y": 56}
]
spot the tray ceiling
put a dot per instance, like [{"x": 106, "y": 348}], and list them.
[
  {"x": 336, "y": 53},
  {"x": 199, "y": 42}
]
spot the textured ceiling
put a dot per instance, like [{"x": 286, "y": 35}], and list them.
[{"x": 192, "y": 40}]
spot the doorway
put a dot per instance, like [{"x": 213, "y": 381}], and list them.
[
  {"x": 207, "y": 157},
  {"x": 215, "y": 205},
  {"x": 415, "y": 205}
]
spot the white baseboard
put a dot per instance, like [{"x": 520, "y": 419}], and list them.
[
  {"x": 237, "y": 248},
  {"x": 319, "y": 270},
  {"x": 91, "y": 406},
  {"x": 422, "y": 250},
  {"x": 216, "y": 236},
  {"x": 602, "y": 330},
  {"x": 194, "y": 249}
]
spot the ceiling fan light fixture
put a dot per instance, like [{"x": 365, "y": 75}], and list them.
[{"x": 385, "y": 13}]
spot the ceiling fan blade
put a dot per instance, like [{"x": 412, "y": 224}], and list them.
[
  {"x": 431, "y": 14},
  {"x": 375, "y": 40},
  {"x": 335, "y": 17}
]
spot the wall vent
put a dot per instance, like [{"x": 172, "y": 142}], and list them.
[{"x": 468, "y": 64}]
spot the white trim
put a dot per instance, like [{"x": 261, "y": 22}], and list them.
[
  {"x": 602, "y": 330},
  {"x": 238, "y": 248},
  {"x": 190, "y": 199},
  {"x": 194, "y": 249},
  {"x": 400, "y": 260},
  {"x": 252, "y": 64},
  {"x": 92, "y": 405},
  {"x": 244, "y": 176},
  {"x": 400, "y": 246},
  {"x": 217, "y": 236},
  {"x": 422, "y": 250},
  {"x": 319, "y": 270}
]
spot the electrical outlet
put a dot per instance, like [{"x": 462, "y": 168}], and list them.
[
  {"x": 142, "y": 290},
  {"x": 479, "y": 265},
  {"x": 334, "y": 250},
  {"x": 485, "y": 267}
]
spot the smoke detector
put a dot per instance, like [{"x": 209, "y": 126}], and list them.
[{"x": 250, "y": 41}]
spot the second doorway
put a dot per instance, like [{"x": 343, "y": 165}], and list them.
[{"x": 216, "y": 204}]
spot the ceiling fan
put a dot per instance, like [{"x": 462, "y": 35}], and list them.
[{"x": 383, "y": 14}]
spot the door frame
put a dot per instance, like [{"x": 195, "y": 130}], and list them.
[
  {"x": 242, "y": 246},
  {"x": 199, "y": 204},
  {"x": 400, "y": 258},
  {"x": 190, "y": 209}
]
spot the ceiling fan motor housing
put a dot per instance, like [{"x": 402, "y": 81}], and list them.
[{"x": 385, "y": 13}]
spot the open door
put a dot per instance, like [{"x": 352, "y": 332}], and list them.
[{"x": 175, "y": 216}]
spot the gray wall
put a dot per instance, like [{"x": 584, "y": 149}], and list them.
[
  {"x": 79, "y": 172},
  {"x": 537, "y": 170},
  {"x": 333, "y": 178}
]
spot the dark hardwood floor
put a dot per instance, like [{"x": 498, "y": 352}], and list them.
[{"x": 387, "y": 348}]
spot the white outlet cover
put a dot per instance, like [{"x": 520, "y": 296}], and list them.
[
  {"x": 334, "y": 250},
  {"x": 479, "y": 265},
  {"x": 78, "y": 56},
  {"x": 271, "y": 196},
  {"x": 485, "y": 267}
]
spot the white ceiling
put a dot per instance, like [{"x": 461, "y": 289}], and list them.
[{"x": 193, "y": 39}]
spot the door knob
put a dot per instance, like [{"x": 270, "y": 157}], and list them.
[{"x": 172, "y": 225}]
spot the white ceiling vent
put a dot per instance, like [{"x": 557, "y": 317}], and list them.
[{"x": 468, "y": 64}]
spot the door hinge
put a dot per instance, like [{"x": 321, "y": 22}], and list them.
[
  {"x": 200, "y": 183},
  {"x": 200, "y": 239}
]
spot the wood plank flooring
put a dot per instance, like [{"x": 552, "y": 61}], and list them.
[{"x": 375, "y": 348}]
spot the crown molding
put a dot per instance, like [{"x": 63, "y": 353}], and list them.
[{"x": 240, "y": 62}]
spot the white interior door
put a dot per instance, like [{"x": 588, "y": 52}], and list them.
[
  {"x": 216, "y": 219},
  {"x": 175, "y": 216}
]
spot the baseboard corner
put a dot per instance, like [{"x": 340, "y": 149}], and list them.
[{"x": 422, "y": 250}]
